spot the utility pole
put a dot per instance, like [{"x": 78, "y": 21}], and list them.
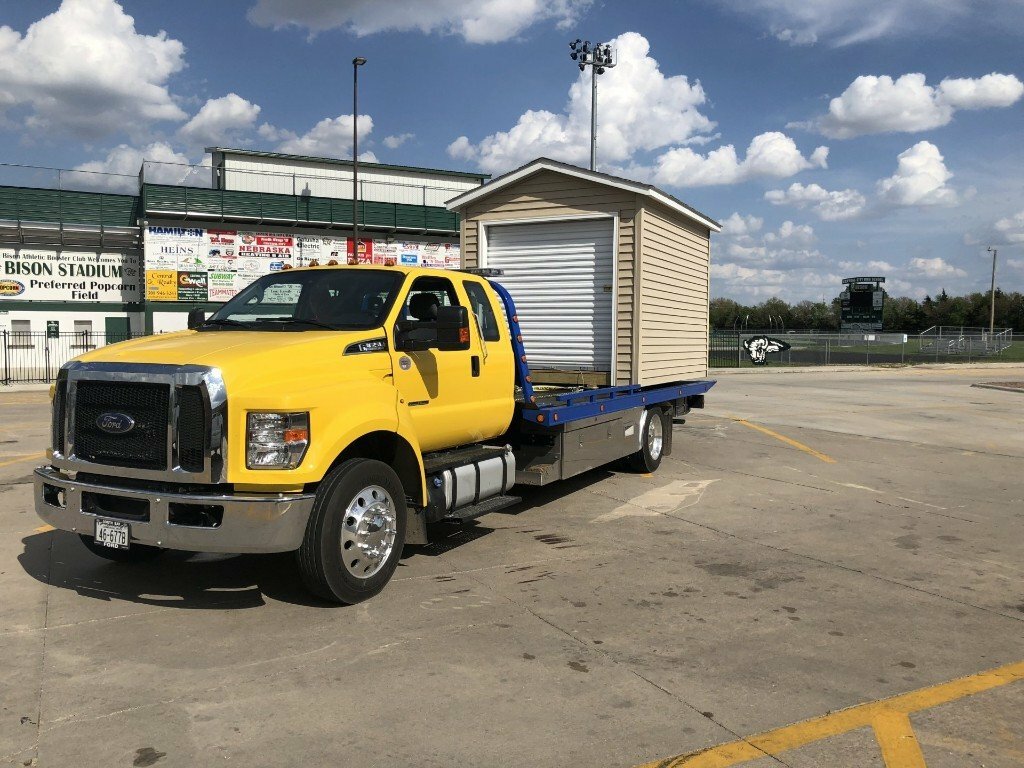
[
  {"x": 992, "y": 312},
  {"x": 599, "y": 58},
  {"x": 357, "y": 62}
]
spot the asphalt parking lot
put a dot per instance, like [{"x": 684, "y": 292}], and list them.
[{"x": 818, "y": 541}]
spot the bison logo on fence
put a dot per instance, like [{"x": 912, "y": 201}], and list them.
[{"x": 760, "y": 346}]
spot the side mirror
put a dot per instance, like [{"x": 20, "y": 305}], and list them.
[
  {"x": 412, "y": 336},
  {"x": 452, "y": 329},
  {"x": 196, "y": 317}
]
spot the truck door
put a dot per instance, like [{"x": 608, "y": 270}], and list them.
[
  {"x": 436, "y": 385},
  {"x": 492, "y": 361}
]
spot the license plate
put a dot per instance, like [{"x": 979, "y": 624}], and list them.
[{"x": 112, "y": 533}]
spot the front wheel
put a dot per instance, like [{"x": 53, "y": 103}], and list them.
[
  {"x": 653, "y": 426},
  {"x": 356, "y": 532}
]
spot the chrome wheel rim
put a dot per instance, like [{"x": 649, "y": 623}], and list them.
[
  {"x": 368, "y": 532},
  {"x": 655, "y": 435}
]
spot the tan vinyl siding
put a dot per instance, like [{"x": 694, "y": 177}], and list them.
[
  {"x": 552, "y": 195},
  {"x": 674, "y": 281}
]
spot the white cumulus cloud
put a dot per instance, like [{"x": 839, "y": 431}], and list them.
[
  {"x": 829, "y": 205},
  {"x": 477, "y": 21},
  {"x": 935, "y": 267},
  {"x": 119, "y": 170},
  {"x": 792, "y": 235},
  {"x": 920, "y": 180},
  {"x": 747, "y": 283},
  {"x": 737, "y": 225},
  {"x": 788, "y": 247},
  {"x": 331, "y": 137},
  {"x": 394, "y": 142},
  {"x": 769, "y": 155},
  {"x": 85, "y": 70},
  {"x": 639, "y": 108},
  {"x": 872, "y": 104},
  {"x": 1011, "y": 229},
  {"x": 220, "y": 120}
]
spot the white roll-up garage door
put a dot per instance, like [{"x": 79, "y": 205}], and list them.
[{"x": 560, "y": 275}]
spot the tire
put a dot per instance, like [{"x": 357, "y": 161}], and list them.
[
  {"x": 355, "y": 534},
  {"x": 136, "y": 553},
  {"x": 653, "y": 426}
]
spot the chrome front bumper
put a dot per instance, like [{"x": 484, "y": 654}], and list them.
[{"x": 250, "y": 522}]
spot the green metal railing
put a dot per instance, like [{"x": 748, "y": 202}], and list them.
[
  {"x": 68, "y": 207},
  {"x": 228, "y": 205}
]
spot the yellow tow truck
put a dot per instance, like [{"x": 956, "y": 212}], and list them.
[{"x": 331, "y": 411}]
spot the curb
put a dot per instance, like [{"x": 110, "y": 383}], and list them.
[
  {"x": 1001, "y": 388},
  {"x": 5, "y": 388}
]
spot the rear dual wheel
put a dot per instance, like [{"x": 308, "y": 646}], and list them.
[
  {"x": 356, "y": 532},
  {"x": 654, "y": 425}
]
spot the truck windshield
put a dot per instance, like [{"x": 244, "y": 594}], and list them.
[{"x": 310, "y": 299}]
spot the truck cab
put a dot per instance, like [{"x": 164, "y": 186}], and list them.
[{"x": 330, "y": 411}]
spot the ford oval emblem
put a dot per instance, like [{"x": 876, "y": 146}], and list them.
[{"x": 115, "y": 423}]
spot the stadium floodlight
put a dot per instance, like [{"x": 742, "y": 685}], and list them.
[{"x": 599, "y": 58}]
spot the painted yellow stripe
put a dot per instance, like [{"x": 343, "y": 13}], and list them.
[
  {"x": 19, "y": 459},
  {"x": 872, "y": 714},
  {"x": 896, "y": 738},
  {"x": 45, "y": 529},
  {"x": 788, "y": 441}
]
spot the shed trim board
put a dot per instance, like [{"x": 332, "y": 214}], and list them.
[
  {"x": 482, "y": 259},
  {"x": 544, "y": 164}
]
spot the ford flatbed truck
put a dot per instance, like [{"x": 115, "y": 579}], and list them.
[{"x": 331, "y": 411}]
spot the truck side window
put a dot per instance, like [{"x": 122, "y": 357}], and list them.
[
  {"x": 481, "y": 307},
  {"x": 425, "y": 296}
]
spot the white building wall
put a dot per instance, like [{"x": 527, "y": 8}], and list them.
[
  {"x": 281, "y": 176},
  {"x": 37, "y": 357}
]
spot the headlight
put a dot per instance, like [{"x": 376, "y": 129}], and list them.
[{"x": 276, "y": 440}]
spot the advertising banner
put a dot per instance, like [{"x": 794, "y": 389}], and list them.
[
  {"x": 161, "y": 285},
  {"x": 198, "y": 264},
  {"x": 39, "y": 274}
]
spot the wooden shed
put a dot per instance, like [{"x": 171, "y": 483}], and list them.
[{"x": 610, "y": 276}]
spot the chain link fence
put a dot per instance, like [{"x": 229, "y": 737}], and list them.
[{"x": 727, "y": 350}]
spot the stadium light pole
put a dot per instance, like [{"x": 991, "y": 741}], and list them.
[
  {"x": 992, "y": 311},
  {"x": 599, "y": 58},
  {"x": 357, "y": 62}
]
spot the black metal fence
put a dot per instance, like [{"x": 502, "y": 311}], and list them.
[{"x": 29, "y": 357}]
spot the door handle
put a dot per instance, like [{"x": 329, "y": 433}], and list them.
[{"x": 474, "y": 364}]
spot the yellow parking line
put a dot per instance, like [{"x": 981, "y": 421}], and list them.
[
  {"x": 45, "y": 529},
  {"x": 888, "y": 717},
  {"x": 788, "y": 441},
  {"x": 19, "y": 459},
  {"x": 897, "y": 741}
]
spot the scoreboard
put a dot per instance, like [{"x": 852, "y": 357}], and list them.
[{"x": 862, "y": 301}]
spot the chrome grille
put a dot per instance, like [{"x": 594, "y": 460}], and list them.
[
  {"x": 193, "y": 427},
  {"x": 60, "y": 398},
  {"x": 144, "y": 446},
  {"x": 179, "y": 414}
]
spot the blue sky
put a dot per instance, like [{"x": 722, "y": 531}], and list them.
[{"x": 833, "y": 137}]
